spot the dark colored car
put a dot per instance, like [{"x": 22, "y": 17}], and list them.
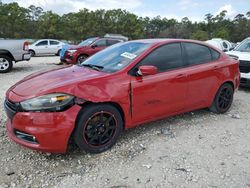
[
  {"x": 77, "y": 54},
  {"x": 118, "y": 88}
]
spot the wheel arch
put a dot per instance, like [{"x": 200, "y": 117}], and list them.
[
  {"x": 7, "y": 53},
  {"x": 32, "y": 51},
  {"x": 82, "y": 54},
  {"x": 114, "y": 104},
  {"x": 217, "y": 89}
]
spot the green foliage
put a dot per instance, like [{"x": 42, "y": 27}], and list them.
[
  {"x": 33, "y": 22},
  {"x": 200, "y": 35}
]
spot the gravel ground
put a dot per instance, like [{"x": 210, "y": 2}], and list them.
[{"x": 196, "y": 149}]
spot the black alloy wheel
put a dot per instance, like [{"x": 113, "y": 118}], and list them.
[
  {"x": 81, "y": 59},
  {"x": 223, "y": 99},
  {"x": 98, "y": 127}
]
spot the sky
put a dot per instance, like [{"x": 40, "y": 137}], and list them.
[{"x": 193, "y": 9}]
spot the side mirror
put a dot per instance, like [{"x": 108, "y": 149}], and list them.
[
  {"x": 147, "y": 70},
  {"x": 93, "y": 46}
]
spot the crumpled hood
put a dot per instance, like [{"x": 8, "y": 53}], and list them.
[
  {"x": 51, "y": 81},
  {"x": 244, "y": 56}
]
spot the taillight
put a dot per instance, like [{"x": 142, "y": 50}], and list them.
[{"x": 26, "y": 46}]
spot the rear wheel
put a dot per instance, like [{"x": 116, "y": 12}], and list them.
[
  {"x": 32, "y": 53},
  {"x": 5, "y": 64},
  {"x": 98, "y": 128},
  {"x": 81, "y": 59},
  {"x": 223, "y": 99}
]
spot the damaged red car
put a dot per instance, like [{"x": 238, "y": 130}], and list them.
[{"x": 125, "y": 85}]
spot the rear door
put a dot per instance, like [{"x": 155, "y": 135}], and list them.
[
  {"x": 203, "y": 74},
  {"x": 54, "y": 46},
  {"x": 159, "y": 95}
]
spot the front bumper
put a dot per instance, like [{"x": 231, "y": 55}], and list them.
[
  {"x": 47, "y": 132},
  {"x": 69, "y": 58},
  {"x": 245, "y": 79}
]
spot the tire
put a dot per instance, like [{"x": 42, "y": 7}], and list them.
[
  {"x": 58, "y": 53},
  {"x": 32, "y": 53},
  {"x": 81, "y": 58},
  {"x": 223, "y": 99},
  {"x": 105, "y": 128},
  {"x": 6, "y": 64}
]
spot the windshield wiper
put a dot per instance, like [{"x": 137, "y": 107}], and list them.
[{"x": 95, "y": 67}]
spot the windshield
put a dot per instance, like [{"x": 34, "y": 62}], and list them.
[
  {"x": 244, "y": 46},
  {"x": 87, "y": 42},
  {"x": 116, "y": 57}
]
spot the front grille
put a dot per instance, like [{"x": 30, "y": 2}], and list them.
[
  {"x": 244, "y": 66},
  {"x": 243, "y": 80}
]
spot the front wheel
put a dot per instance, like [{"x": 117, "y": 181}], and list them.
[
  {"x": 98, "y": 128},
  {"x": 81, "y": 59},
  {"x": 5, "y": 64},
  {"x": 223, "y": 99}
]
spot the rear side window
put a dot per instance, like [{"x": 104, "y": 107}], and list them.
[
  {"x": 42, "y": 43},
  {"x": 165, "y": 58},
  {"x": 215, "y": 54},
  {"x": 197, "y": 54},
  {"x": 225, "y": 45},
  {"x": 52, "y": 42},
  {"x": 111, "y": 42}
]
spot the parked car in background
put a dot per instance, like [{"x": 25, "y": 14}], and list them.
[
  {"x": 89, "y": 47},
  {"x": 12, "y": 51},
  {"x": 242, "y": 52},
  {"x": 81, "y": 44},
  {"x": 221, "y": 44},
  {"x": 118, "y": 88},
  {"x": 46, "y": 47}
]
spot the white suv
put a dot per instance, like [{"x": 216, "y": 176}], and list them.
[
  {"x": 242, "y": 51},
  {"x": 46, "y": 46}
]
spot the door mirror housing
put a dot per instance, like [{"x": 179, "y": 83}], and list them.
[{"x": 147, "y": 70}]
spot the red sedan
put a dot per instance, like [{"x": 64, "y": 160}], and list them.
[
  {"x": 78, "y": 54},
  {"x": 118, "y": 88}
]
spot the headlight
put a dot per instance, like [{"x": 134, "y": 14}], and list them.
[
  {"x": 51, "y": 102},
  {"x": 72, "y": 51}
]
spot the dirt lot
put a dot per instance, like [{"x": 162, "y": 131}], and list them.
[{"x": 197, "y": 149}]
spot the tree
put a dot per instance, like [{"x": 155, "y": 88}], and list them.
[
  {"x": 33, "y": 22},
  {"x": 200, "y": 35}
]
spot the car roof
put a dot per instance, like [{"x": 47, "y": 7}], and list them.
[{"x": 166, "y": 40}]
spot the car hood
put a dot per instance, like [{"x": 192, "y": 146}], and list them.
[
  {"x": 78, "y": 47},
  {"x": 244, "y": 56},
  {"x": 63, "y": 80}
]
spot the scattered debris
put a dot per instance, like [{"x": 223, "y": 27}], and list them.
[
  {"x": 235, "y": 116},
  {"x": 148, "y": 166},
  {"x": 142, "y": 146},
  {"x": 183, "y": 169},
  {"x": 10, "y": 173},
  {"x": 167, "y": 132}
]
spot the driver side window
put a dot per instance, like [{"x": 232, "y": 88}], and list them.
[
  {"x": 101, "y": 43},
  {"x": 165, "y": 58}
]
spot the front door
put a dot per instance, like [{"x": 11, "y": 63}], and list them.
[{"x": 164, "y": 93}]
